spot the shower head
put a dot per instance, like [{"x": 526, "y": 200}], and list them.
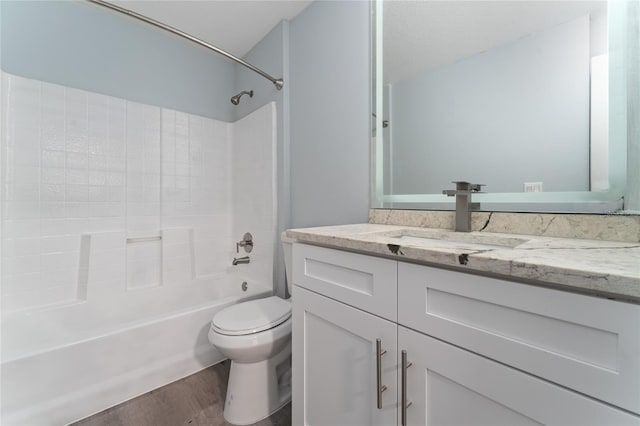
[{"x": 236, "y": 99}]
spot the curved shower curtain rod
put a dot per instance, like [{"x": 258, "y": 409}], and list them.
[{"x": 278, "y": 82}]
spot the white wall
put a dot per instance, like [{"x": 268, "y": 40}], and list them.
[
  {"x": 272, "y": 55},
  {"x": 253, "y": 189},
  {"x": 78, "y": 163},
  {"x": 330, "y": 114}
]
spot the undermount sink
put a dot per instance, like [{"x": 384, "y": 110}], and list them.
[{"x": 447, "y": 239}]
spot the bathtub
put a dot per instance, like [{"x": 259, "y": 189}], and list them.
[{"x": 64, "y": 363}]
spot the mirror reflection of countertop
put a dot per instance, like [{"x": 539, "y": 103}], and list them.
[{"x": 606, "y": 268}]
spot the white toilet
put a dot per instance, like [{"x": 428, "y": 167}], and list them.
[{"x": 256, "y": 337}]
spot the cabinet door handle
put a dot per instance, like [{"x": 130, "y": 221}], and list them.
[
  {"x": 379, "y": 386},
  {"x": 405, "y": 404}
]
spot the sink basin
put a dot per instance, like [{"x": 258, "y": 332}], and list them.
[
  {"x": 408, "y": 240},
  {"x": 447, "y": 239}
]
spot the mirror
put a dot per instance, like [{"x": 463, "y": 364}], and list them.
[{"x": 519, "y": 95}]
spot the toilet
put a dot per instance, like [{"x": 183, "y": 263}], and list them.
[{"x": 256, "y": 337}]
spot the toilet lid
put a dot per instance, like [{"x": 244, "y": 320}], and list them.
[{"x": 252, "y": 316}]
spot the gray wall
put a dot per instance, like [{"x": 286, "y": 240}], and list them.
[
  {"x": 323, "y": 135},
  {"x": 329, "y": 67},
  {"x": 83, "y": 45},
  {"x": 269, "y": 55},
  {"x": 513, "y": 114}
]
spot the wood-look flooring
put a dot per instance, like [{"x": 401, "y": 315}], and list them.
[{"x": 196, "y": 400}]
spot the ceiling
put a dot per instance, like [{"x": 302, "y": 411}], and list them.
[
  {"x": 422, "y": 35},
  {"x": 234, "y": 26}
]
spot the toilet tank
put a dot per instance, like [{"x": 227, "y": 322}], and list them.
[{"x": 287, "y": 244}]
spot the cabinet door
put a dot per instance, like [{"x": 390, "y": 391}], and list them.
[
  {"x": 580, "y": 342},
  {"x": 334, "y": 364},
  {"x": 447, "y": 385}
]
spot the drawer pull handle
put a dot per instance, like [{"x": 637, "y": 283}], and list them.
[
  {"x": 379, "y": 386},
  {"x": 405, "y": 404}
]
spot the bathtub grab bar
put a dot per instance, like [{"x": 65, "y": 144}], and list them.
[{"x": 144, "y": 239}]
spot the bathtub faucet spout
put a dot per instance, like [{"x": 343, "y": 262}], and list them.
[{"x": 240, "y": 260}]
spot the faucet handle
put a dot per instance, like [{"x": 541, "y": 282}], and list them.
[
  {"x": 246, "y": 242},
  {"x": 463, "y": 187}
]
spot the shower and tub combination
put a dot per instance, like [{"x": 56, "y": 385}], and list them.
[
  {"x": 110, "y": 293},
  {"x": 119, "y": 228}
]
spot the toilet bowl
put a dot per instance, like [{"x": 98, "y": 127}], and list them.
[{"x": 256, "y": 337}]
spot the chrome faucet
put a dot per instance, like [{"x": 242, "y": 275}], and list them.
[
  {"x": 240, "y": 260},
  {"x": 464, "y": 206}
]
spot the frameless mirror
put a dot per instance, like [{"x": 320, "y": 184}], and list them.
[{"x": 526, "y": 97}]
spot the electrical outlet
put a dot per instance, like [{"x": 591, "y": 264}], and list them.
[{"x": 533, "y": 187}]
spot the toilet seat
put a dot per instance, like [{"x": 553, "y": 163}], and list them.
[{"x": 251, "y": 317}]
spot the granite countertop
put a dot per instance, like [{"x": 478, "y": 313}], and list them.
[{"x": 607, "y": 268}]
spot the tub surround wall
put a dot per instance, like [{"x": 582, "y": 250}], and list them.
[
  {"x": 116, "y": 214},
  {"x": 77, "y": 163},
  {"x": 254, "y": 194},
  {"x": 272, "y": 53},
  {"x": 583, "y": 226}
]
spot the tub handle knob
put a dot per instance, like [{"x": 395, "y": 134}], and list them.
[{"x": 246, "y": 242}]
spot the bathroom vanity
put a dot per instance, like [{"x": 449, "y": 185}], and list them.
[{"x": 414, "y": 326}]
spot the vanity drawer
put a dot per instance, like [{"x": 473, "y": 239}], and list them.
[
  {"x": 585, "y": 343},
  {"x": 365, "y": 282}
]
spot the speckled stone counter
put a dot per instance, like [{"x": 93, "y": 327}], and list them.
[{"x": 606, "y": 268}]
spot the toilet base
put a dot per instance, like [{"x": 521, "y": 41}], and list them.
[{"x": 257, "y": 390}]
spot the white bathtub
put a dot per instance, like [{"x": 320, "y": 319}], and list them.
[{"x": 65, "y": 363}]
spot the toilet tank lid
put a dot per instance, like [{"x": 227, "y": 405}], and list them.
[{"x": 252, "y": 316}]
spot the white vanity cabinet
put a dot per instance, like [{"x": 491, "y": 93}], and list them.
[
  {"x": 588, "y": 344},
  {"x": 344, "y": 359},
  {"x": 461, "y": 349},
  {"x": 335, "y": 361}
]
